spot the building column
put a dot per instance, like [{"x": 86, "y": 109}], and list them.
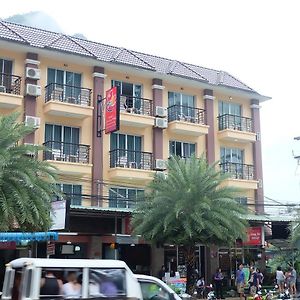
[
  {"x": 157, "y": 89},
  {"x": 257, "y": 157},
  {"x": 210, "y": 121},
  {"x": 31, "y": 61},
  {"x": 97, "y": 142}
]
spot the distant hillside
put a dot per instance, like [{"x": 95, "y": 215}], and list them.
[{"x": 39, "y": 19}]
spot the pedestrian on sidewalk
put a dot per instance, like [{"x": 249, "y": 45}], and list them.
[
  {"x": 240, "y": 281},
  {"x": 253, "y": 281},
  {"x": 293, "y": 288},
  {"x": 280, "y": 279},
  {"x": 218, "y": 279}
]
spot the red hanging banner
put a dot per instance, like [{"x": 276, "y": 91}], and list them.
[
  {"x": 254, "y": 236},
  {"x": 112, "y": 111}
]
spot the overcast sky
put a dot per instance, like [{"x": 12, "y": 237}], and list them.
[{"x": 255, "y": 40}]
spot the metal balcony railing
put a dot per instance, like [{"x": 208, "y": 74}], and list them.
[
  {"x": 10, "y": 84},
  {"x": 186, "y": 114},
  {"x": 68, "y": 94},
  {"x": 234, "y": 122},
  {"x": 136, "y": 105},
  {"x": 131, "y": 159},
  {"x": 68, "y": 152},
  {"x": 238, "y": 171}
]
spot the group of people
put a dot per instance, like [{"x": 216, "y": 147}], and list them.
[
  {"x": 286, "y": 279},
  {"x": 72, "y": 289}
]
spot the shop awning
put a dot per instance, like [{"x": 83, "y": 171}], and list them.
[{"x": 28, "y": 236}]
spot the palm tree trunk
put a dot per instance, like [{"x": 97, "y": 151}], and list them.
[{"x": 190, "y": 268}]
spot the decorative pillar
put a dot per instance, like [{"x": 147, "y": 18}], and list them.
[
  {"x": 257, "y": 157},
  {"x": 210, "y": 120},
  {"x": 157, "y": 89},
  {"x": 97, "y": 142},
  {"x": 31, "y": 61}
]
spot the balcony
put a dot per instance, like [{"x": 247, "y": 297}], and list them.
[
  {"x": 186, "y": 120},
  {"x": 136, "y": 111},
  {"x": 234, "y": 128},
  {"x": 241, "y": 175},
  {"x": 68, "y": 158},
  {"x": 68, "y": 101},
  {"x": 10, "y": 90},
  {"x": 128, "y": 165}
]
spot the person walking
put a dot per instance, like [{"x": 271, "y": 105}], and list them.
[
  {"x": 293, "y": 289},
  {"x": 240, "y": 281},
  {"x": 280, "y": 279},
  {"x": 260, "y": 276},
  {"x": 253, "y": 281},
  {"x": 218, "y": 279},
  {"x": 161, "y": 273},
  {"x": 200, "y": 287}
]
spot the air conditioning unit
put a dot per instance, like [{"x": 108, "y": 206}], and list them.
[
  {"x": 160, "y": 164},
  {"x": 34, "y": 122},
  {"x": 161, "y": 123},
  {"x": 161, "y": 111},
  {"x": 2, "y": 89},
  {"x": 33, "y": 90},
  {"x": 33, "y": 73},
  {"x": 161, "y": 174}
]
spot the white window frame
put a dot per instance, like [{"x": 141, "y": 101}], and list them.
[
  {"x": 182, "y": 149},
  {"x": 120, "y": 196}
]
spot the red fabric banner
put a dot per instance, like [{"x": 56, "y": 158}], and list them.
[{"x": 112, "y": 111}]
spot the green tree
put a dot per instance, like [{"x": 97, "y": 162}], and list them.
[
  {"x": 190, "y": 206},
  {"x": 27, "y": 185}
]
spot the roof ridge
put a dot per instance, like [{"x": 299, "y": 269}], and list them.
[
  {"x": 60, "y": 35},
  {"x": 117, "y": 53},
  {"x": 5, "y": 25},
  {"x": 132, "y": 53},
  {"x": 227, "y": 73},
  {"x": 84, "y": 48},
  {"x": 193, "y": 71}
]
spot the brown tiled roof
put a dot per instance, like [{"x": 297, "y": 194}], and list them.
[{"x": 51, "y": 40}]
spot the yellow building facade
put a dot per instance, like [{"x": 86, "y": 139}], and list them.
[{"x": 166, "y": 108}]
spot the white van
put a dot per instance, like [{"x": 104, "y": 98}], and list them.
[{"x": 25, "y": 280}]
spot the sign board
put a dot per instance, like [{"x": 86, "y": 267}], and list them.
[
  {"x": 58, "y": 214},
  {"x": 50, "y": 248},
  {"x": 254, "y": 236},
  {"x": 112, "y": 111},
  {"x": 8, "y": 245}
]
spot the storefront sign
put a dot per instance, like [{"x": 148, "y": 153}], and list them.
[
  {"x": 254, "y": 236},
  {"x": 112, "y": 111},
  {"x": 50, "y": 248},
  {"x": 58, "y": 214},
  {"x": 7, "y": 245}
]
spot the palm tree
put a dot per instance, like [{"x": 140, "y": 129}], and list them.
[
  {"x": 190, "y": 206},
  {"x": 27, "y": 185}
]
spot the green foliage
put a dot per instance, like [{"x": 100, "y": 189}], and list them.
[
  {"x": 190, "y": 206},
  {"x": 27, "y": 185}
]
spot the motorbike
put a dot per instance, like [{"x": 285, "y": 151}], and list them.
[{"x": 211, "y": 294}]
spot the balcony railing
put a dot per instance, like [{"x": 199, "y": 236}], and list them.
[
  {"x": 238, "y": 171},
  {"x": 186, "y": 113},
  {"x": 136, "y": 105},
  {"x": 68, "y": 152},
  {"x": 234, "y": 122},
  {"x": 10, "y": 84},
  {"x": 68, "y": 94},
  {"x": 131, "y": 159}
]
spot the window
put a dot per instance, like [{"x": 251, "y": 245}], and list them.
[
  {"x": 125, "y": 197},
  {"x": 152, "y": 291},
  {"x": 73, "y": 192},
  {"x": 181, "y": 106},
  {"x": 181, "y": 149},
  {"x": 242, "y": 200},
  {"x": 229, "y": 108},
  {"x": 69, "y": 82},
  {"x": 57, "y": 134},
  {"x": 232, "y": 155},
  {"x": 107, "y": 283},
  {"x": 5, "y": 69},
  {"x": 130, "y": 95}
]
